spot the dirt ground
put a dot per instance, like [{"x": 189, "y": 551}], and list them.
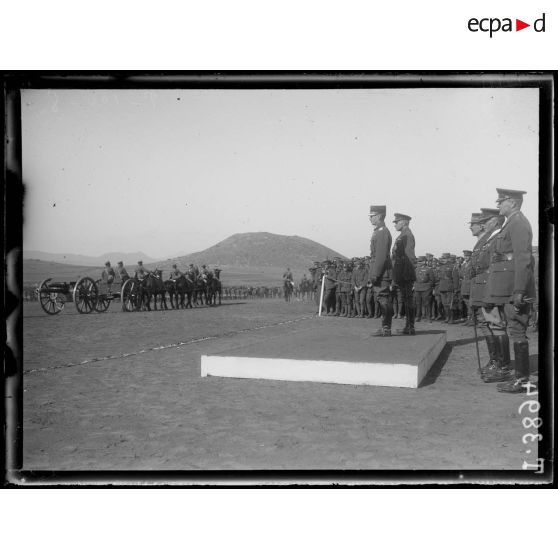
[{"x": 123, "y": 391}]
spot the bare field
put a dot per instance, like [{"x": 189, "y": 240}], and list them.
[{"x": 122, "y": 391}]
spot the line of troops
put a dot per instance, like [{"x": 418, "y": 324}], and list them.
[
  {"x": 109, "y": 274},
  {"x": 493, "y": 287}
]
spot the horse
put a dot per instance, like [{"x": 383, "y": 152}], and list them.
[
  {"x": 288, "y": 287},
  {"x": 153, "y": 286},
  {"x": 214, "y": 288}
]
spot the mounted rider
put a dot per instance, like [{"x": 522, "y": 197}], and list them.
[
  {"x": 108, "y": 274},
  {"x": 175, "y": 273},
  {"x": 140, "y": 272},
  {"x": 122, "y": 273},
  {"x": 206, "y": 274}
]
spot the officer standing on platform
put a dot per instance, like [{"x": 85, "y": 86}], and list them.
[
  {"x": 380, "y": 277},
  {"x": 404, "y": 276},
  {"x": 511, "y": 283}
]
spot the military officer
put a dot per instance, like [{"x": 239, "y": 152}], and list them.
[
  {"x": 423, "y": 289},
  {"x": 404, "y": 276},
  {"x": 380, "y": 276},
  {"x": 485, "y": 226},
  {"x": 511, "y": 283}
]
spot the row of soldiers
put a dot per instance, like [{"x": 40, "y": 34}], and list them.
[
  {"x": 496, "y": 283},
  {"x": 109, "y": 274},
  {"x": 440, "y": 291}
]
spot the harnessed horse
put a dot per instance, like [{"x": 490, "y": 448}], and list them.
[{"x": 152, "y": 286}]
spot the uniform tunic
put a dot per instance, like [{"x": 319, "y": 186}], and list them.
[
  {"x": 511, "y": 272},
  {"x": 380, "y": 274}
]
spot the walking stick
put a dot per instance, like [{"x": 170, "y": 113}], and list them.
[
  {"x": 321, "y": 295},
  {"x": 476, "y": 338}
]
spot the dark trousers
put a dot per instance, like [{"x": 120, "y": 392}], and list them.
[
  {"x": 423, "y": 302},
  {"x": 406, "y": 300},
  {"x": 383, "y": 299}
]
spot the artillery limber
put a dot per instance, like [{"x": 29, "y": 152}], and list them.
[{"x": 87, "y": 294}]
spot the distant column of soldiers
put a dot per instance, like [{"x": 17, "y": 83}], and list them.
[{"x": 493, "y": 287}]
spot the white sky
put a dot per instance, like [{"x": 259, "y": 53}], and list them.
[{"x": 169, "y": 172}]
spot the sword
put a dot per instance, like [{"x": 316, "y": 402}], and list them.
[{"x": 476, "y": 338}]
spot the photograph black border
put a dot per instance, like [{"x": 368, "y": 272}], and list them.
[{"x": 13, "y": 82}]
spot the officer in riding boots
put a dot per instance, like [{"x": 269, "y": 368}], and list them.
[
  {"x": 404, "y": 276},
  {"x": 511, "y": 285},
  {"x": 485, "y": 227},
  {"x": 380, "y": 275}
]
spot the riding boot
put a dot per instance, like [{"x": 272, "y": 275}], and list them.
[
  {"x": 492, "y": 345},
  {"x": 504, "y": 350},
  {"x": 501, "y": 372},
  {"x": 447, "y": 312},
  {"x": 521, "y": 376}
]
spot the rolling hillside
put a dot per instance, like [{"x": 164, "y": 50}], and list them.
[
  {"x": 260, "y": 250},
  {"x": 246, "y": 259}
]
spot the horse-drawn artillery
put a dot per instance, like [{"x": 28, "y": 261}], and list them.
[
  {"x": 87, "y": 294},
  {"x": 90, "y": 296}
]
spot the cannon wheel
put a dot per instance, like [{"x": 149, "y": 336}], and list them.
[
  {"x": 103, "y": 302},
  {"x": 128, "y": 296},
  {"x": 51, "y": 303},
  {"x": 86, "y": 295}
]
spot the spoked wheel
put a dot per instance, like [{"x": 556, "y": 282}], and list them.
[
  {"x": 86, "y": 295},
  {"x": 51, "y": 302},
  {"x": 103, "y": 300},
  {"x": 129, "y": 296},
  {"x": 103, "y": 304}
]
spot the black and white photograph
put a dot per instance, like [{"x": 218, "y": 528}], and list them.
[{"x": 285, "y": 278}]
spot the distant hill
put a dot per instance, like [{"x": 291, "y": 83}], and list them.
[
  {"x": 246, "y": 259},
  {"x": 261, "y": 249},
  {"x": 78, "y": 259}
]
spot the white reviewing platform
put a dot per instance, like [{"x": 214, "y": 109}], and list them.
[{"x": 349, "y": 357}]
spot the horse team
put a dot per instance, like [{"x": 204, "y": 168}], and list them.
[{"x": 183, "y": 291}]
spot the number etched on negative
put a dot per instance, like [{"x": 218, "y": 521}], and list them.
[
  {"x": 532, "y": 437},
  {"x": 530, "y": 404},
  {"x": 529, "y": 422}
]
